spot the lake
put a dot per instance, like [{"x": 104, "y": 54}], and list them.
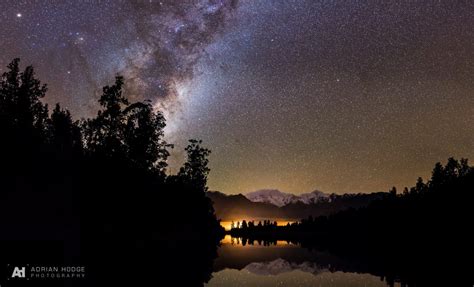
[{"x": 281, "y": 263}]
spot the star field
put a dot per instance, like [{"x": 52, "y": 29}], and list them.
[{"x": 296, "y": 95}]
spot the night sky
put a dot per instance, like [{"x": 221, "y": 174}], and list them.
[{"x": 339, "y": 96}]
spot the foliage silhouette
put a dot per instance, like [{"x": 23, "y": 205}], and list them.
[{"x": 98, "y": 187}]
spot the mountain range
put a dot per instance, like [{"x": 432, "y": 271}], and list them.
[
  {"x": 278, "y": 198},
  {"x": 274, "y": 204}
]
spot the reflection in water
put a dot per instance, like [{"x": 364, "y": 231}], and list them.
[
  {"x": 244, "y": 242},
  {"x": 280, "y": 263},
  {"x": 232, "y": 277}
]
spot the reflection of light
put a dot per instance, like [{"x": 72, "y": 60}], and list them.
[
  {"x": 238, "y": 242},
  {"x": 227, "y": 239}
]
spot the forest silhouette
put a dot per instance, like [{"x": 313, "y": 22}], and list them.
[
  {"x": 96, "y": 191},
  {"x": 421, "y": 236}
]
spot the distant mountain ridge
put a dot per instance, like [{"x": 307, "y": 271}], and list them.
[
  {"x": 280, "y": 199},
  {"x": 238, "y": 206}
]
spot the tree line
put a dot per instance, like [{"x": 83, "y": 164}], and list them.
[
  {"x": 98, "y": 185},
  {"x": 423, "y": 203},
  {"x": 420, "y": 236}
]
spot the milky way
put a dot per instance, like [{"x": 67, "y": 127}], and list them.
[
  {"x": 154, "y": 45},
  {"x": 341, "y": 96},
  {"x": 171, "y": 38}
]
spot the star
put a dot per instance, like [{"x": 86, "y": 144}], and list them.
[{"x": 290, "y": 94}]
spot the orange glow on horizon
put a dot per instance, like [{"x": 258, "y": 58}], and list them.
[{"x": 280, "y": 222}]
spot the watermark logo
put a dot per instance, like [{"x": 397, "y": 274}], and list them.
[
  {"x": 19, "y": 272},
  {"x": 44, "y": 272}
]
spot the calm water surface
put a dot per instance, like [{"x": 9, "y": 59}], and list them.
[{"x": 282, "y": 264}]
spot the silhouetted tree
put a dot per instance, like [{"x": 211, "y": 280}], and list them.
[
  {"x": 244, "y": 224},
  {"x": 420, "y": 186},
  {"x": 195, "y": 169},
  {"x": 143, "y": 137},
  {"x": 65, "y": 134},
  {"x": 405, "y": 191},
  {"x": 104, "y": 135},
  {"x": 393, "y": 191},
  {"x": 451, "y": 169},
  {"x": 24, "y": 125},
  {"x": 20, "y": 105},
  {"x": 464, "y": 168},
  {"x": 437, "y": 176}
]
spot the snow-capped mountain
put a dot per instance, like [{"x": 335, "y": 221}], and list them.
[
  {"x": 272, "y": 196},
  {"x": 313, "y": 197},
  {"x": 278, "y": 198}
]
